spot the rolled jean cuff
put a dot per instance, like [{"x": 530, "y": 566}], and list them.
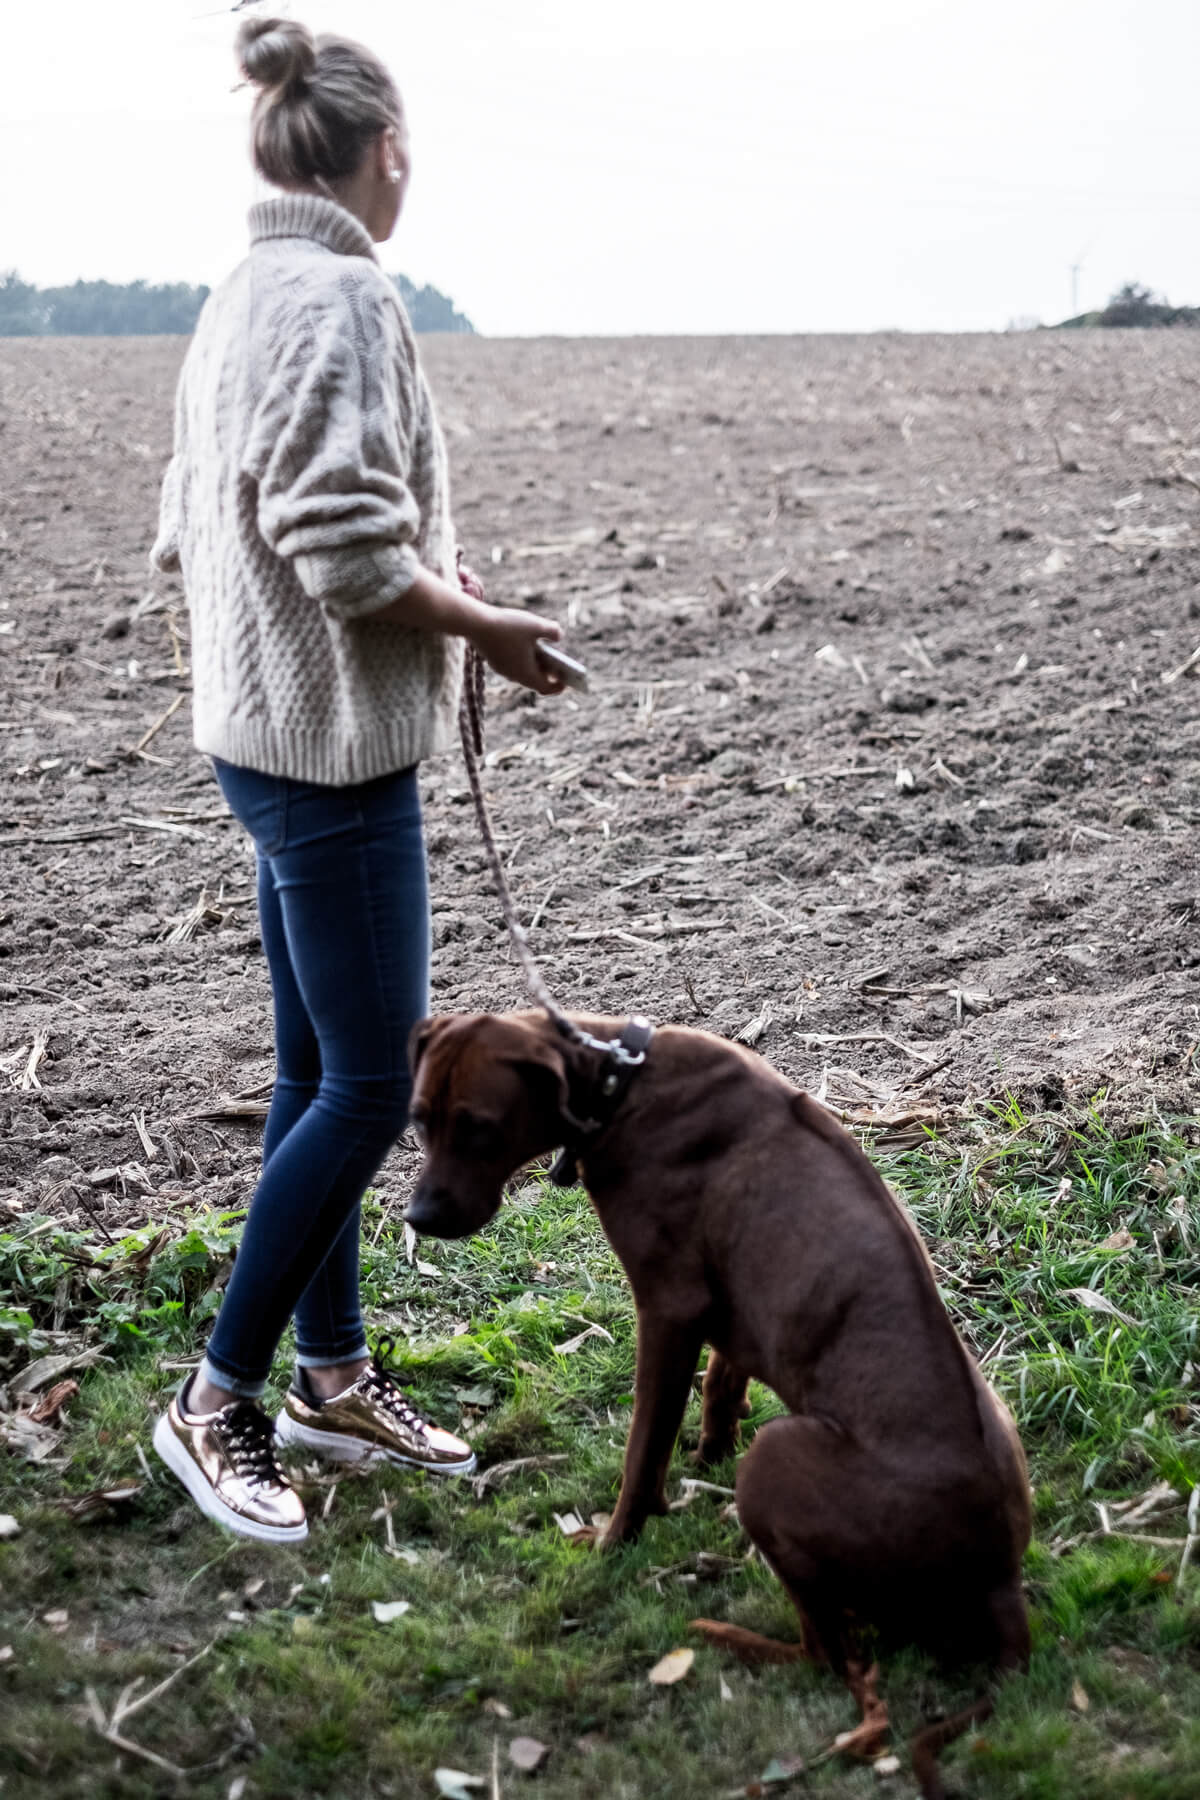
[
  {"x": 306, "y": 1359},
  {"x": 240, "y": 1387}
]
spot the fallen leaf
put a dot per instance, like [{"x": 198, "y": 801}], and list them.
[
  {"x": 1118, "y": 1240},
  {"x": 672, "y": 1668},
  {"x": 28, "y": 1439},
  {"x": 527, "y": 1753},
  {"x": 570, "y": 1524},
  {"x": 725, "y": 1690},
  {"x": 101, "y": 1503},
  {"x": 454, "y": 1784},
  {"x": 1099, "y": 1303},
  {"x": 782, "y": 1768},
  {"x": 6, "y": 1653},
  {"x": 46, "y": 1410},
  {"x": 1079, "y": 1697},
  {"x": 497, "y": 1709},
  {"x": 387, "y": 1610},
  {"x": 430, "y": 1269},
  {"x": 58, "y": 1620},
  {"x": 885, "y": 1766},
  {"x": 475, "y": 1396},
  {"x": 49, "y": 1368},
  {"x": 8, "y": 1526}
]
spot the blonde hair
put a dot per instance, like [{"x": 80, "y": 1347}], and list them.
[{"x": 320, "y": 102}]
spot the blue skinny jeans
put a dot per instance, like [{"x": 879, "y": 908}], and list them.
[{"x": 343, "y": 901}]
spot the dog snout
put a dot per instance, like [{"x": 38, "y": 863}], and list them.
[
  {"x": 439, "y": 1210},
  {"x": 431, "y": 1212}
]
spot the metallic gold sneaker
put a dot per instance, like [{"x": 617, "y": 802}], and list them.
[
  {"x": 373, "y": 1418},
  {"x": 226, "y": 1461}
]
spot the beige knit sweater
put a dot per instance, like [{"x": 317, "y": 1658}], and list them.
[{"x": 308, "y": 486}]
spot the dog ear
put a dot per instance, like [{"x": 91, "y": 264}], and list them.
[
  {"x": 418, "y": 1042},
  {"x": 546, "y": 1057}
]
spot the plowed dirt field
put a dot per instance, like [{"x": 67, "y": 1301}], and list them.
[{"x": 883, "y": 766}]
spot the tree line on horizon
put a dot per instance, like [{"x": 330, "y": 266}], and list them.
[
  {"x": 167, "y": 309},
  {"x": 1132, "y": 306}
]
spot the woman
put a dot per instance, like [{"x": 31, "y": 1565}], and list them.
[{"x": 307, "y": 506}]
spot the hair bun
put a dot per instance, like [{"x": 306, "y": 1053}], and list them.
[{"x": 276, "y": 53}]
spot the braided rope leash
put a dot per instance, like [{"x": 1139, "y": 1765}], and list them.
[
  {"x": 622, "y": 1056},
  {"x": 470, "y": 728}
]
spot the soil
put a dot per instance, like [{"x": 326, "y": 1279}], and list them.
[{"x": 881, "y": 766}]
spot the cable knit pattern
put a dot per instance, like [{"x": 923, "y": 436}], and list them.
[{"x": 307, "y": 489}]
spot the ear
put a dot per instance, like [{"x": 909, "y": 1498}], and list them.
[
  {"x": 547, "y": 1058},
  {"x": 380, "y": 152},
  {"x": 419, "y": 1039}
]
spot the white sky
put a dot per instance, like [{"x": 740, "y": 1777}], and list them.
[{"x": 653, "y": 165}]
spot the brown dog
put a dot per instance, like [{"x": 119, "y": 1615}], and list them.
[{"x": 895, "y": 1494}]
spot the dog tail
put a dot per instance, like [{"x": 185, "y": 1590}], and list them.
[
  {"x": 748, "y": 1646},
  {"x": 928, "y": 1745}
]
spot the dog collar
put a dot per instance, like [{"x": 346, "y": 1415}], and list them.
[{"x": 623, "y": 1057}]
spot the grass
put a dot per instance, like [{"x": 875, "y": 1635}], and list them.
[{"x": 514, "y": 1631}]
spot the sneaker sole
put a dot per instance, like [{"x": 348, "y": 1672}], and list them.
[
  {"x": 337, "y": 1447},
  {"x": 171, "y": 1451}
]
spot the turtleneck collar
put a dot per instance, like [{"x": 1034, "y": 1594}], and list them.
[{"x": 311, "y": 216}]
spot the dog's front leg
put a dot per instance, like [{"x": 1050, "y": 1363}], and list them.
[{"x": 666, "y": 1364}]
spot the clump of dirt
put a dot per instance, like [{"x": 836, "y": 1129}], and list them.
[{"x": 880, "y": 768}]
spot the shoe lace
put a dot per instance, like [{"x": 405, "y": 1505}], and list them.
[
  {"x": 383, "y": 1384},
  {"x": 250, "y": 1441}
]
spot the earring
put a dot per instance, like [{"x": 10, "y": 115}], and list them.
[{"x": 394, "y": 175}]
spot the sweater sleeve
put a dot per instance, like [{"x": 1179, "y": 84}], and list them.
[
  {"x": 164, "y": 555},
  {"x": 328, "y": 450}
]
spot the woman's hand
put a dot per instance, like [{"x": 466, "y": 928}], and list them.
[{"x": 506, "y": 638}]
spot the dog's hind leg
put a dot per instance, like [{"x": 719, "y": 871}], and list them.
[
  {"x": 807, "y": 1496},
  {"x": 996, "y": 1631},
  {"x": 724, "y": 1407},
  {"x": 666, "y": 1365},
  {"x": 927, "y": 1746}
]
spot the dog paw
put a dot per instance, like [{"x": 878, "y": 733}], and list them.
[
  {"x": 620, "y": 1531},
  {"x": 712, "y": 1451}
]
